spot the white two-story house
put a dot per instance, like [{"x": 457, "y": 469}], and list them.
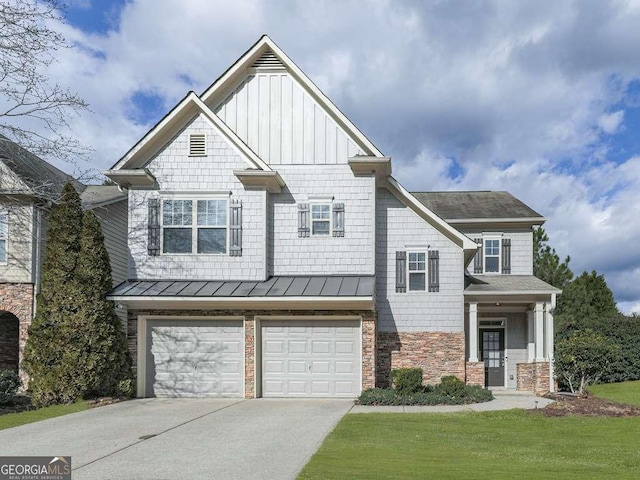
[{"x": 272, "y": 253}]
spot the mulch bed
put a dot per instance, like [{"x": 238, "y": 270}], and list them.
[
  {"x": 587, "y": 406},
  {"x": 22, "y": 403}
]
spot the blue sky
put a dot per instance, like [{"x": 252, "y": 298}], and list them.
[{"x": 540, "y": 98}]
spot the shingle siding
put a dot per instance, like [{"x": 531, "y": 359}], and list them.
[
  {"x": 18, "y": 268},
  {"x": 352, "y": 254},
  {"x": 176, "y": 172},
  {"x": 521, "y": 248},
  {"x": 399, "y": 228}
]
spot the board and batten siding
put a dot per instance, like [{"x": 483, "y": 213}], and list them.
[
  {"x": 399, "y": 228},
  {"x": 176, "y": 171},
  {"x": 283, "y": 124},
  {"x": 19, "y": 265},
  {"x": 113, "y": 219},
  {"x": 353, "y": 254}
]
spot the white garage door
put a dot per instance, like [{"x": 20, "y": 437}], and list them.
[
  {"x": 311, "y": 359},
  {"x": 195, "y": 358}
]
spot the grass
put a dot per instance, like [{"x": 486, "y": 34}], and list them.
[
  {"x": 623, "y": 392},
  {"x": 10, "y": 420},
  {"x": 496, "y": 445}
]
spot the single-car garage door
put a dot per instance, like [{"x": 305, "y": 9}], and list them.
[
  {"x": 195, "y": 358},
  {"x": 311, "y": 358}
]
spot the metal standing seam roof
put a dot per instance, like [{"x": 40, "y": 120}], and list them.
[
  {"x": 286, "y": 286},
  {"x": 475, "y": 205},
  {"x": 510, "y": 284}
]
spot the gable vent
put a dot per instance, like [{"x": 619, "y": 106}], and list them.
[
  {"x": 197, "y": 144},
  {"x": 268, "y": 60}
]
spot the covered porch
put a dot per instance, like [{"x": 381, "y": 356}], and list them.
[{"x": 509, "y": 331}]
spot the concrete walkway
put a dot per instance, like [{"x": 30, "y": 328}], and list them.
[{"x": 504, "y": 400}]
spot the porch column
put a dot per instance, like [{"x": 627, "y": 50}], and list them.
[
  {"x": 473, "y": 332},
  {"x": 531, "y": 352},
  {"x": 550, "y": 336},
  {"x": 538, "y": 315}
]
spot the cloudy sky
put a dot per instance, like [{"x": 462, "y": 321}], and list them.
[{"x": 540, "y": 98}]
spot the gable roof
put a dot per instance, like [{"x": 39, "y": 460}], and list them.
[
  {"x": 40, "y": 178},
  {"x": 177, "y": 118},
  {"x": 480, "y": 205},
  {"x": 98, "y": 195},
  {"x": 266, "y": 47}
]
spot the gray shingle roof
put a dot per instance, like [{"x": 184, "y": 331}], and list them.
[
  {"x": 468, "y": 205},
  {"x": 511, "y": 284},
  {"x": 43, "y": 179},
  {"x": 298, "y": 286}
]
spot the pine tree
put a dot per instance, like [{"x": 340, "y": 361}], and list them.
[
  {"x": 76, "y": 346},
  {"x": 546, "y": 262},
  {"x": 52, "y": 332},
  {"x": 105, "y": 363}
]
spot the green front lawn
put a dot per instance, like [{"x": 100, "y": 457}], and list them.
[
  {"x": 508, "y": 444},
  {"x": 10, "y": 420},
  {"x": 623, "y": 392}
]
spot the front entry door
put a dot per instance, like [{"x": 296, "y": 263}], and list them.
[{"x": 492, "y": 352}]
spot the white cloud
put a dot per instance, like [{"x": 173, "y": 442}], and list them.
[{"x": 519, "y": 95}]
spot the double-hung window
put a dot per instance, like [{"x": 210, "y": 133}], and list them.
[
  {"x": 4, "y": 236},
  {"x": 320, "y": 219},
  {"x": 491, "y": 255},
  {"x": 198, "y": 226},
  {"x": 417, "y": 271}
]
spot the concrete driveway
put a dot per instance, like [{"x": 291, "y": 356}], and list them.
[{"x": 184, "y": 438}]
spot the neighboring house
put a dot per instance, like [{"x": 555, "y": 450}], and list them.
[
  {"x": 273, "y": 254},
  {"x": 29, "y": 186}
]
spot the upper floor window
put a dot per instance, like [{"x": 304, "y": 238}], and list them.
[
  {"x": 4, "y": 236},
  {"x": 417, "y": 271},
  {"x": 494, "y": 255},
  {"x": 320, "y": 219},
  {"x": 194, "y": 226}
]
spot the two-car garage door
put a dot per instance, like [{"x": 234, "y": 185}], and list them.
[{"x": 298, "y": 358}]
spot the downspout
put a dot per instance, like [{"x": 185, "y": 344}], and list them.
[
  {"x": 36, "y": 257},
  {"x": 551, "y": 343}
]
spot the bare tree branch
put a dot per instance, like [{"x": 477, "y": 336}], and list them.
[{"x": 27, "y": 97}]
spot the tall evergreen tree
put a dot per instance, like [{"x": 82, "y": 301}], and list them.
[
  {"x": 52, "y": 331},
  {"x": 76, "y": 346},
  {"x": 585, "y": 302},
  {"x": 546, "y": 262},
  {"x": 104, "y": 363}
]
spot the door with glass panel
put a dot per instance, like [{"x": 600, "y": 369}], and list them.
[{"x": 492, "y": 353}]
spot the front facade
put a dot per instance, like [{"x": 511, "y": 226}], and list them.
[{"x": 271, "y": 253}]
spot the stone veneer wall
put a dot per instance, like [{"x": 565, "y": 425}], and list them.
[
  {"x": 475, "y": 373},
  {"x": 17, "y": 299},
  {"x": 368, "y": 336},
  {"x": 437, "y": 353},
  {"x": 534, "y": 377}
]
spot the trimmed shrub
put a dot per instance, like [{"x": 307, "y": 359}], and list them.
[
  {"x": 407, "y": 380},
  {"x": 451, "y": 386},
  {"x": 430, "y": 396},
  {"x": 9, "y": 385}
]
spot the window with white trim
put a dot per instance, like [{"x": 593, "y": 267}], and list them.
[
  {"x": 492, "y": 255},
  {"x": 4, "y": 236},
  {"x": 198, "y": 226},
  {"x": 321, "y": 219},
  {"x": 417, "y": 271}
]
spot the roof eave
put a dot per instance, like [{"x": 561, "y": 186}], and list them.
[
  {"x": 131, "y": 178},
  {"x": 271, "y": 180},
  {"x": 286, "y": 303}
]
